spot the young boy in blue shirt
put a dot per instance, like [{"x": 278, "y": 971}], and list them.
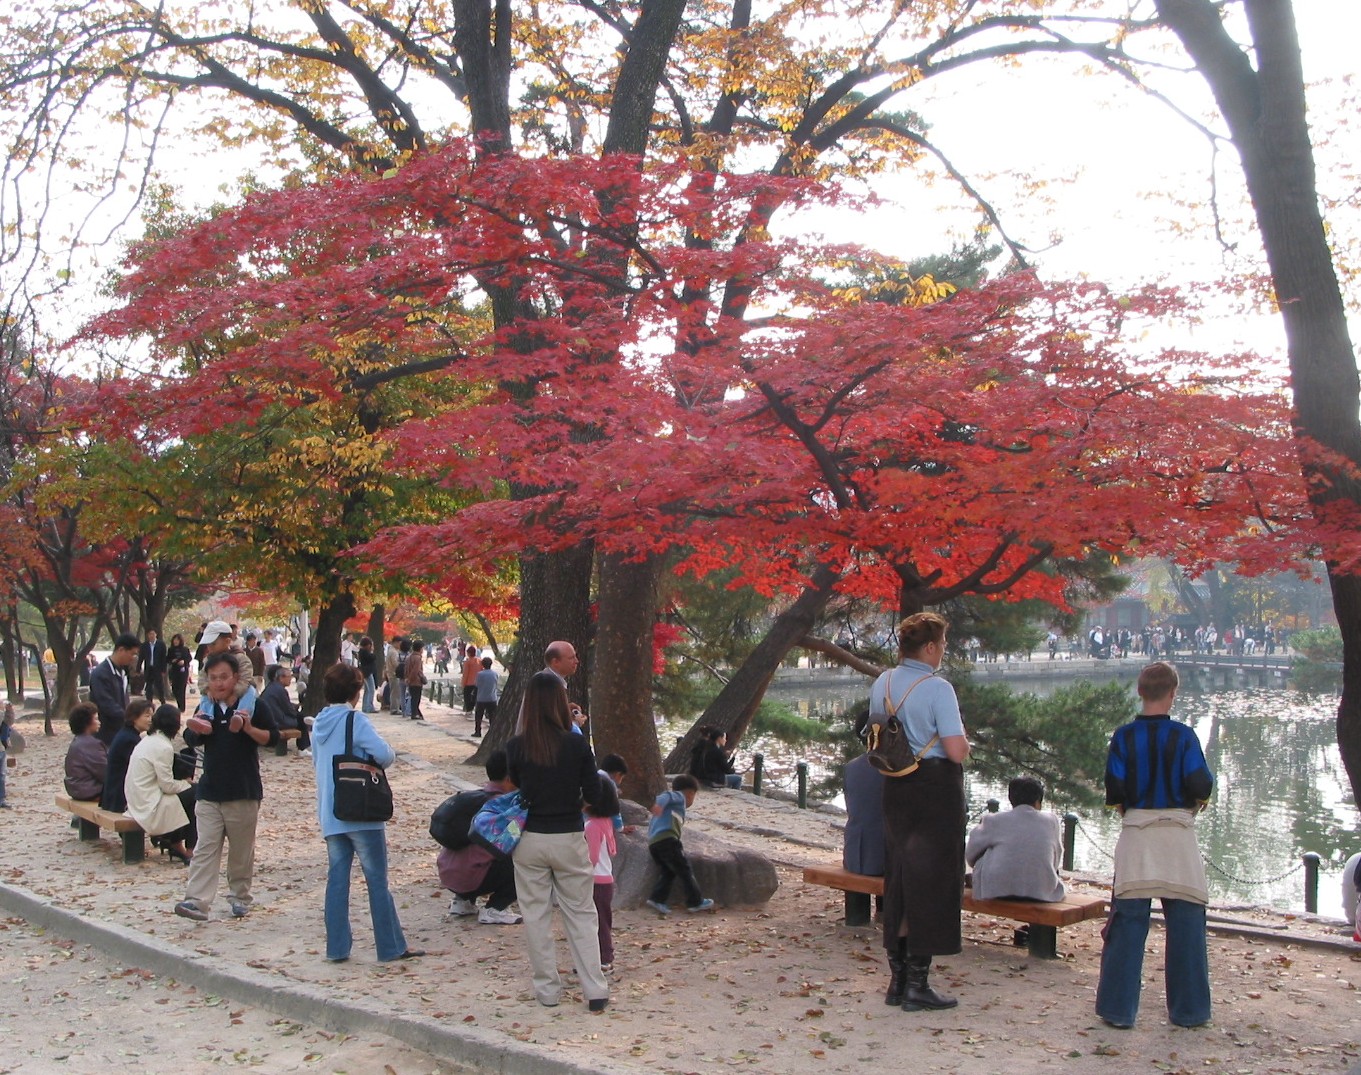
[{"x": 664, "y": 845}]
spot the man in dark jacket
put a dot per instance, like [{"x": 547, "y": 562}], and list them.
[
  {"x": 152, "y": 662},
  {"x": 109, "y": 686},
  {"x": 276, "y": 699}
]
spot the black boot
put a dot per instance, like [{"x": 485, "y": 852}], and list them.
[
  {"x": 897, "y": 975},
  {"x": 919, "y": 995}
]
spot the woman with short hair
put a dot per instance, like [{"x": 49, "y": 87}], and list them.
[
  {"x": 342, "y": 685},
  {"x": 156, "y": 800},
  {"x": 924, "y": 815},
  {"x": 87, "y": 758}
]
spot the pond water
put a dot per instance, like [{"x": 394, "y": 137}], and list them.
[{"x": 1280, "y": 789}]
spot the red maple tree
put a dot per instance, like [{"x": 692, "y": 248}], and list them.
[{"x": 723, "y": 395}]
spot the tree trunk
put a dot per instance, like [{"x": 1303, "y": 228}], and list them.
[
  {"x": 1265, "y": 111},
  {"x": 555, "y": 603},
  {"x": 377, "y": 628},
  {"x": 621, "y": 672},
  {"x": 9, "y": 653},
  {"x": 737, "y": 702},
  {"x": 337, "y": 607}
]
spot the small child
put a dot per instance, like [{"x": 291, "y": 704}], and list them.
[
  {"x": 664, "y": 844},
  {"x": 614, "y": 769},
  {"x": 601, "y": 846}
]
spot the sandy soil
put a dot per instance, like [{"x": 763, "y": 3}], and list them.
[{"x": 784, "y": 988}]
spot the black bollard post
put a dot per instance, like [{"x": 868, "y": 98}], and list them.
[
  {"x": 758, "y": 765},
  {"x": 1311, "y": 861},
  {"x": 1069, "y": 839},
  {"x": 802, "y": 769},
  {"x": 993, "y": 806}
]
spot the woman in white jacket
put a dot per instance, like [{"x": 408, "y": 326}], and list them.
[{"x": 162, "y": 805}]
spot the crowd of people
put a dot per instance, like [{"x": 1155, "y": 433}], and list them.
[
  {"x": 201, "y": 804},
  {"x": 908, "y": 827}
]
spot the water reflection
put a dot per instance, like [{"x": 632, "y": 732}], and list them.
[{"x": 1280, "y": 788}]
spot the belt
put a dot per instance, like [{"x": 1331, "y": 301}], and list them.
[{"x": 936, "y": 761}]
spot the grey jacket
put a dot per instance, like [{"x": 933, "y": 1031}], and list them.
[{"x": 1016, "y": 854}]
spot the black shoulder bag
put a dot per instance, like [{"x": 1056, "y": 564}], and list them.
[{"x": 361, "y": 790}]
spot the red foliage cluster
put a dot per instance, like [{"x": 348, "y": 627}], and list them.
[{"x": 681, "y": 379}]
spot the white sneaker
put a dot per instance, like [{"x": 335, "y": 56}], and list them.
[
  {"x": 489, "y": 916},
  {"x": 461, "y": 907},
  {"x": 306, "y": 753}
]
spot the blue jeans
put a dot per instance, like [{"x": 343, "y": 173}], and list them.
[
  {"x": 369, "y": 689},
  {"x": 1186, "y": 964},
  {"x": 371, "y": 846}
]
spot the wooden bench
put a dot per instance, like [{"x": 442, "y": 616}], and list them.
[
  {"x": 1043, "y": 918},
  {"x": 286, "y": 735},
  {"x": 92, "y": 818}
]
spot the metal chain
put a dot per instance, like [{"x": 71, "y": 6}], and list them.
[
  {"x": 1092, "y": 840},
  {"x": 1244, "y": 881},
  {"x": 1208, "y": 862}
]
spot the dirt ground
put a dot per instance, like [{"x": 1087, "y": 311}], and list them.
[{"x": 782, "y": 988}]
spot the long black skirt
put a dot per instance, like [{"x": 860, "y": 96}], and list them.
[{"x": 924, "y": 858}]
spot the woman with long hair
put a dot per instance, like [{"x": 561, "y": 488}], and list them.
[
  {"x": 555, "y": 772},
  {"x": 177, "y": 659},
  {"x": 162, "y": 805},
  {"x": 923, "y": 815}
]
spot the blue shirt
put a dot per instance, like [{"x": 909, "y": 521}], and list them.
[
  {"x": 668, "y": 824},
  {"x": 1156, "y": 763},
  {"x": 930, "y": 709}
]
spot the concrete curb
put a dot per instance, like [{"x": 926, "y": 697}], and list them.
[{"x": 467, "y": 1046}]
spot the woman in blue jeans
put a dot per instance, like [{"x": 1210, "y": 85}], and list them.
[{"x": 342, "y": 686}]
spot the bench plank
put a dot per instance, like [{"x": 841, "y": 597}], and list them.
[
  {"x": 1044, "y": 917},
  {"x": 93, "y": 818}
]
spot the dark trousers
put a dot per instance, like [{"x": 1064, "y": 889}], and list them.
[
  {"x": 188, "y": 833},
  {"x": 413, "y": 695},
  {"x": 483, "y": 709},
  {"x": 155, "y": 686},
  {"x": 670, "y": 858},
  {"x": 469, "y": 697},
  {"x": 604, "y": 913},
  {"x": 178, "y": 685},
  {"x": 498, "y": 885}
]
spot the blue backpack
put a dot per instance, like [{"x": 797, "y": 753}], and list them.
[{"x": 500, "y": 823}]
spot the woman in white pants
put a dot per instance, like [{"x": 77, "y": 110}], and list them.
[{"x": 555, "y": 772}]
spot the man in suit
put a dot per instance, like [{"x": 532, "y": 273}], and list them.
[
  {"x": 152, "y": 663},
  {"x": 109, "y": 685}
]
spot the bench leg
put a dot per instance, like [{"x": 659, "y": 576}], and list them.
[
  {"x": 134, "y": 847},
  {"x": 1044, "y": 942},
  {"x": 88, "y": 830},
  {"x": 281, "y": 748},
  {"x": 857, "y": 909}
]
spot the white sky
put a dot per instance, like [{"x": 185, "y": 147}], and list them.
[
  {"x": 1125, "y": 182},
  {"x": 1117, "y": 172}
]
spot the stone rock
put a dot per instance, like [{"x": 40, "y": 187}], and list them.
[{"x": 730, "y": 876}]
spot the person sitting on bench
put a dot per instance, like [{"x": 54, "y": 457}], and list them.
[
  {"x": 1016, "y": 855},
  {"x": 87, "y": 758},
  {"x": 863, "y": 849}
]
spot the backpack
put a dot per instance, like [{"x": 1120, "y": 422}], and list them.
[
  {"x": 451, "y": 820},
  {"x": 886, "y": 740},
  {"x": 500, "y": 823}
]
